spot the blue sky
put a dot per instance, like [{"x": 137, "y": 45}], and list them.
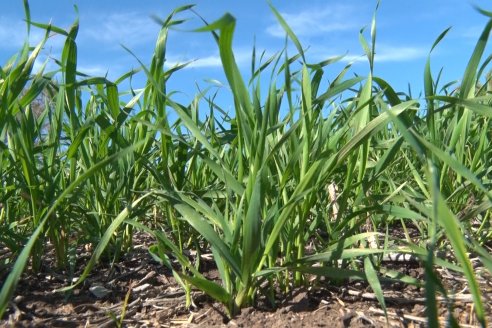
[{"x": 405, "y": 32}]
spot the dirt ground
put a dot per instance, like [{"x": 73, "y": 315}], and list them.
[{"x": 155, "y": 300}]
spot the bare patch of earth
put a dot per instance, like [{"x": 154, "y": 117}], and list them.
[{"x": 139, "y": 292}]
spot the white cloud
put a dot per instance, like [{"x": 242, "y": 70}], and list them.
[
  {"x": 399, "y": 53},
  {"x": 315, "y": 21},
  {"x": 94, "y": 70},
  {"x": 471, "y": 32},
  {"x": 113, "y": 70},
  {"x": 13, "y": 34},
  {"x": 386, "y": 53},
  {"x": 130, "y": 29},
  {"x": 211, "y": 61},
  {"x": 354, "y": 58}
]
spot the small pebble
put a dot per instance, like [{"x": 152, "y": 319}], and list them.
[{"x": 18, "y": 299}]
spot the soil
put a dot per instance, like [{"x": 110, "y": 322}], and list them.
[{"x": 154, "y": 299}]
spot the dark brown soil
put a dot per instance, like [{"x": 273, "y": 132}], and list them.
[{"x": 156, "y": 300}]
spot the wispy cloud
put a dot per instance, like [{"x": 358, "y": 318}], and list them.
[
  {"x": 128, "y": 28},
  {"x": 388, "y": 53},
  {"x": 210, "y": 61},
  {"x": 13, "y": 34},
  {"x": 203, "y": 62},
  {"x": 95, "y": 70},
  {"x": 471, "y": 32},
  {"x": 315, "y": 21}
]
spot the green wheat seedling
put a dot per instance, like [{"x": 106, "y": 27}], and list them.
[{"x": 306, "y": 176}]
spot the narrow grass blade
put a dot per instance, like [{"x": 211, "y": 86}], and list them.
[
  {"x": 452, "y": 228},
  {"x": 251, "y": 231},
  {"x": 212, "y": 289},
  {"x": 430, "y": 89},
  {"x": 469, "y": 77},
  {"x": 331, "y": 272},
  {"x": 373, "y": 280},
  {"x": 289, "y": 31}
]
